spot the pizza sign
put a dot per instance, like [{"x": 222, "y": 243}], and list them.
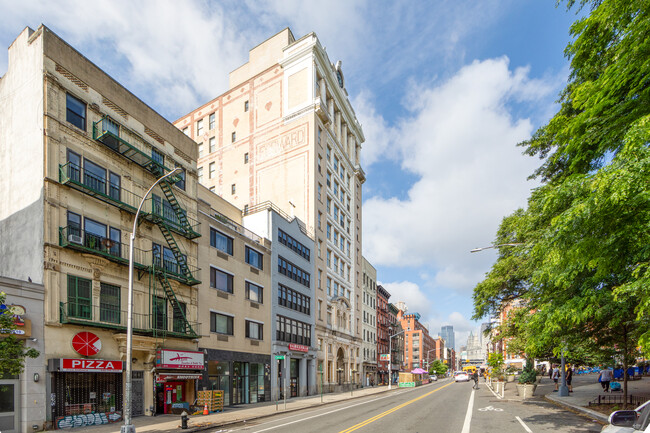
[
  {"x": 91, "y": 365},
  {"x": 86, "y": 344}
]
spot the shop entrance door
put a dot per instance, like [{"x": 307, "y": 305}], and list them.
[
  {"x": 137, "y": 404},
  {"x": 9, "y": 406},
  {"x": 293, "y": 376},
  {"x": 240, "y": 389},
  {"x": 174, "y": 392}
]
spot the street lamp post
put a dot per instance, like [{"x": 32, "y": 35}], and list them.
[
  {"x": 563, "y": 390},
  {"x": 429, "y": 362},
  {"x": 513, "y": 244},
  {"x": 128, "y": 427},
  {"x": 390, "y": 359}
]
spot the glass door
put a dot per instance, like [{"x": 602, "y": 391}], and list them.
[{"x": 9, "y": 406}]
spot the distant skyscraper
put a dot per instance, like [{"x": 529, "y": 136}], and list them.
[{"x": 447, "y": 334}]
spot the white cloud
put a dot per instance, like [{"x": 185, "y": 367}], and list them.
[
  {"x": 461, "y": 144},
  {"x": 408, "y": 292}
]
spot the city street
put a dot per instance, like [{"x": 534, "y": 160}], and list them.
[{"x": 440, "y": 407}]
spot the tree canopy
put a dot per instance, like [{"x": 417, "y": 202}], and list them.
[{"x": 12, "y": 350}]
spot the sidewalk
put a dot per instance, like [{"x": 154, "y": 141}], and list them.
[
  {"x": 167, "y": 423},
  {"x": 585, "y": 389}
]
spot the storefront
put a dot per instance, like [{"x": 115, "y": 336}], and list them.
[
  {"x": 244, "y": 378},
  {"x": 297, "y": 364},
  {"x": 176, "y": 374},
  {"x": 85, "y": 391}
]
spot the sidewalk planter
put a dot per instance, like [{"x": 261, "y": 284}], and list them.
[
  {"x": 526, "y": 390},
  {"x": 510, "y": 377},
  {"x": 499, "y": 387}
]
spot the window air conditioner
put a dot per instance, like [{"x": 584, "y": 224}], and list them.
[{"x": 75, "y": 239}]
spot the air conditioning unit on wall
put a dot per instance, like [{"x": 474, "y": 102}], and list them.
[{"x": 75, "y": 239}]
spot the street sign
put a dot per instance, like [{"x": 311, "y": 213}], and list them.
[
  {"x": 384, "y": 357},
  {"x": 279, "y": 357}
]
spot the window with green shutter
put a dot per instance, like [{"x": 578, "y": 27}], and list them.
[
  {"x": 109, "y": 303},
  {"x": 79, "y": 297}
]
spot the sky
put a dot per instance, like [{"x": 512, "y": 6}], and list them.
[{"x": 444, "y": 91}]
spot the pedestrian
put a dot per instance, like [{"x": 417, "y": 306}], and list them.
[
  {"x": 475, "y": 379},
  {"x": 569, "y": 376},
  {"x": 550, "y": 372},
  {"x": 604, "y": 378},
  {"x": 555, "y": 375}
]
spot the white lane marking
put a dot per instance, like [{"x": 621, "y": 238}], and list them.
[
  {"x": 320, "y": 414},
  {"x": 489, "y": 408},
  {"x": 495, "y": 394},
  {"x": 468, "y": 415},
  {"x": 524, "y": 425}
]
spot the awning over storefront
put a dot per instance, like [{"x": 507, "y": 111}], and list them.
[{"x": 170, "y": 377}]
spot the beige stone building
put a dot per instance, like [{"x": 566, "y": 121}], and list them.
[
  {"x": 285, "y": 132},
  {"x": 235, "y": 299},
  {"x": 369, "y": 327},
  {"x": 80, "y": 151}
]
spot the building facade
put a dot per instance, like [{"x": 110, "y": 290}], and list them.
[
  {"x": 77, "y": 175},
  {"x": 23, "y": 396},
  {"x": 447, "y": 334},
  {"x": 285, "y": 132},
  {"x": 235, "y": 301},
  {"x": 369, "y": 324},
  {"x": 417, "y": 341},
  {"x": 398, "y": 343},
  {"x": 293, "y": 304}
]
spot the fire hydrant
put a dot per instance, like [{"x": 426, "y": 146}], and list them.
[{"x": 184, "y": 420}]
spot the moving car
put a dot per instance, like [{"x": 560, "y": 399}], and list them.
[
  {"x": 461, "y": 376},
  {"x": 630, "y": 421}
]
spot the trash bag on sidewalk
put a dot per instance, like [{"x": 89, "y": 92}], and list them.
[{"x": 615, "y": 386}]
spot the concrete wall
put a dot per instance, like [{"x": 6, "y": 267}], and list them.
[{"x": 21, "y": 156}]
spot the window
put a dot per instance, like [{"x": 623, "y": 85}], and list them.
[
  {"x": 320, "y": 188},
  {"x": 95, "y": 233},
  {"x": 220, "y": 241},
  {"x": 213, "y": 189},
  {"x": 221, "y": 324},
  {"x": 320, "y": 218},
  {"x": 200, "y": 150},
  {"x": 329, "y": 231},
  {"x": 293, "y": 299},
  {"x": 199, "y": 128},
  {"x": 79, "y": 297},
  {"x": 246, "y": 106},
  {"x": 220, "y": 280},
  {"x": 74, "y": 166},
  {"x": 254, "y": 258},
  {"x": 254, "y": 330},
  {"x": 94, "y": 176},
  {"x": 181, "y": 182},
  {"x": 74, "y": 224},
  {"x": 254, "y": 292},
  {"x": 213, "y": 144},
  {"x": 292, "y": 271},
  {"x": 234, "y": 136},
  {"x": 293, "y": 331},
  {"x": 211, "y": 172},
  {"x": 157, "y": 156},
  {"x": 246, "y": 158},
  {"x": 329, "y": 286},
  {"x": 293, "y": 244},
  {"x": 200, "y": 172},
  {"x": 212, "y": 121},
  {"x": 75, "y": 111},
  {"x": 114, "y": 186},
  {"x": 319, "y": 133},
  {"x": 159, "y": 312},
  {"x": 320, "y": 277},
  {"x": 186, "y": 131},
  {"x": 179, "y": 319},
  {"x": 233, "y": 188}
]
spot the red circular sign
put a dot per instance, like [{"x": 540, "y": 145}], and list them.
[{"x": 86, "y": 344}]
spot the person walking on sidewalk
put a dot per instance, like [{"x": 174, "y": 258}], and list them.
[
  {"x": 569, "y": 377},
  {"x": 475, "y": 379},
  {"x": 604, "y": 378}
]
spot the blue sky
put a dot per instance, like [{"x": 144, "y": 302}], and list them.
[{"x": 444, "y": 91}]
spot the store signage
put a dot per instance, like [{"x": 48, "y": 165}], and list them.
[
  {"x": 23, "y": 327},
  {"x": 384, "y": 357},
  {"x": 279, "y": 357},
  {"x": 298, "y": 347},
  {"x": 86, "y": 343},
  {"x": 179, "y": 359},
  {"x": 91, "y": 365},
  {"x": 161, "y": 378}
]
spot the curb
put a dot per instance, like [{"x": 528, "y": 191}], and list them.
[{"x": 580, "y": 410}]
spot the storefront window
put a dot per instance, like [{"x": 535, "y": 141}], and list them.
[
  {"x": 83, "y": 393},
  {"x": 219, "y": 375}
]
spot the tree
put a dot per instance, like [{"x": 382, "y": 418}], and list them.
[
  {"x": 12, "y": 350},
  {"x": 437, "y": 367},
  {"x": 584, "y": 268}
]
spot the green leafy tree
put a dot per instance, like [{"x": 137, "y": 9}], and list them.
[
  {"x": 12, "y": 350},
  {"x": 438, "y": 367},
  {"x": 582, "y": 271}
]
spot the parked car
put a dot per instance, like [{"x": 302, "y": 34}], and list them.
[
  {"x": 433, "y": 377},
  {"x": 630, "y": 421},
  {"x": 461, "y": 376}
]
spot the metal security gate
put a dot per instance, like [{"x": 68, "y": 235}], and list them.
[{"x": 137, "y": 404}]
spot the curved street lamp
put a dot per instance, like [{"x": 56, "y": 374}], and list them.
[
  {"x": 128, "y": 427},
  {"x": 514, "y": 244}
]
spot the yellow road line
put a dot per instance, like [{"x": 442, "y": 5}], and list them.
[{"x": 389, "y": 411}]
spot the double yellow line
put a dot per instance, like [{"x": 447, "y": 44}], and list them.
[{"x": 389, "y": 411}]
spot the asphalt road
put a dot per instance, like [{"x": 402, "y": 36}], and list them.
[{"x": 444, "y": 406}]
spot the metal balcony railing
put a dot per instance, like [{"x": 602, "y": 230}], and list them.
[
  {"x": 75, "y": 238},
  {"x": 76, "y": 177},
  {"x": 157, "y": 209},
  {"x": 83, "y": 313}
]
